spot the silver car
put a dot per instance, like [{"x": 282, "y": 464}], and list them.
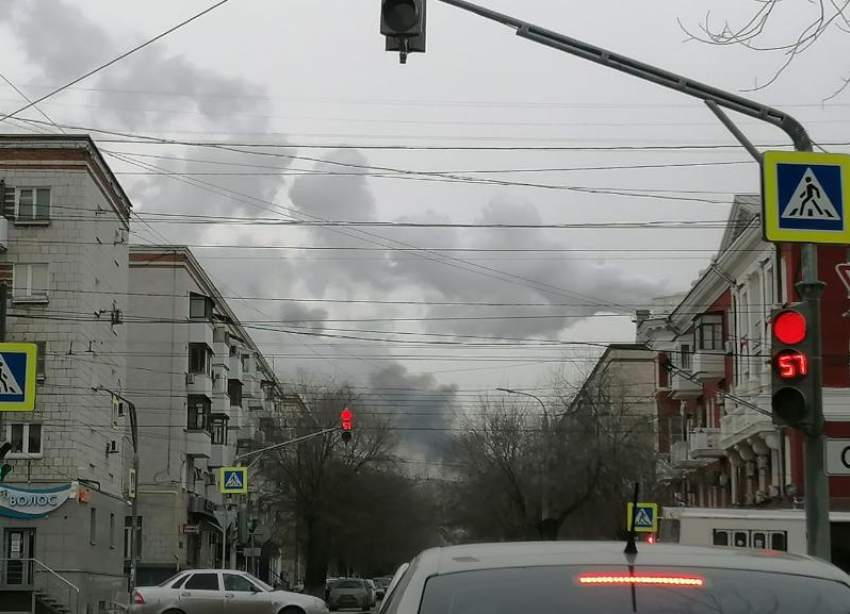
[
  {"x": 349, "y": 593},
  {"x": 597, "y": 577},
  {"x": 220, "y": 591}
]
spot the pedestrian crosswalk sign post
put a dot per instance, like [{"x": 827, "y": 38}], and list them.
[
  {"x": 646, "y": 518},
  {"x": 17, "y": 376},
  {"x": 234, "y": 481},
  {"x": 806, "y": 197}
]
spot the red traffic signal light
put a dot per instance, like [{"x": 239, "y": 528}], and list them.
[
  {"x": 346, "y": 416},
  {"x": 789, "y": 327}
]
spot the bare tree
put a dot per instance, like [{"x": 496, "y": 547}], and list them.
[
  {"x": 309, "y": 480},
  {"x": 824, "y": 16},
  {"x": 523, "y": 475}
]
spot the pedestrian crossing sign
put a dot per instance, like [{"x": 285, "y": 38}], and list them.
[
  {"x": 17, "y": 376},
  {"x": 806, "y": 197},
  {"x": 646, "y": 518},
  {"x": 234, "y": 481}
]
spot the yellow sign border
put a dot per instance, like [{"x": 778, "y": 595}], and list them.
[
  {"x": 31, "y": 350},
  {"x": 653, "y": 507},
  {"x": 234, "y": 491},
  {"x": 770, "y": 197}
]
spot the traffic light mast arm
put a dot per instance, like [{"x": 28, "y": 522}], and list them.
[
  {"x": 647, "y": 72},
  {"x": 286, "y": 443}
]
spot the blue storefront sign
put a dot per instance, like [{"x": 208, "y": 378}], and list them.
[{"x": 16, "y": 502}]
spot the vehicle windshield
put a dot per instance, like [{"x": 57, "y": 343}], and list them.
[
  {"x": 348, "y": 584},
  {"x": 614, "y": 590}
]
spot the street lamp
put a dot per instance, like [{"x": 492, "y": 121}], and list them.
[{"x": 545, "y": 469}]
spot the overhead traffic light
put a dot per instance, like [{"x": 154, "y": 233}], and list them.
[
  {"x": 403, "y": 23},
  {"x": 791, "y": 352},
  {"x": 346, "y": 416},
  {"x": 5, "y": 468}
]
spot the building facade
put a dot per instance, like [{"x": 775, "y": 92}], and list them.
[
  {"x": 718, "y": 444},
  {"x": 205, "y": 394},
  {"x": 65, "y": 261}
]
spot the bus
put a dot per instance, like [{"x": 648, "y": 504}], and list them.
[{"x": 761, "y": 529}]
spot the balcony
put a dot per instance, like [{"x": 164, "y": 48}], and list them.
[
  {"x": 221, "y": 455},
  {"x": 221, "y": 355},
  {"x": 236, "y": 368},
  {"x": 252, "y": 387},
  {"x": 709, "y": 364},
  {"x": 742, "y": 423},
  {"x": 682, "y": 387},
  {"x": 199, "y": 384},
  {"x": 221, "y": 405},
  {"x": 704, "y": 443},
  {"x": 678, "y": 453},
  {"x": 200, "y": 332},
  {"x": 198, "y": 444}
]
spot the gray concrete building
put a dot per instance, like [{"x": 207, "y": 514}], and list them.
[
  {"x": 205, "y": 393},
  {"x": 64, "y": 257}
]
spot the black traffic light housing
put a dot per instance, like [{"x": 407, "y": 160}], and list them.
[
  {"x": 403, "y": 23},
  {"x": 792, "y": 382},
  {"x": 5, "y": 468}
]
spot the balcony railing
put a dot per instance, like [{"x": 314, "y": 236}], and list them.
[
  {"x": 50, "y": 587},
  {"x": 682, "y": 386},
  {"x": 709, "y": 364},
  {"x": 704, "y": 443}
]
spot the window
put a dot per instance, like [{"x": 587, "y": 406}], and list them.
[
  {"x": 200, "y": 307},
  {"x": 199, "y": 413},
  {"x": 721, "y": 538},
  {"x": 268, "y": 393},
  {"x": 203, "y": 582},
  {"x": 778, "y": 541},
  {"x": 33, "y": 205},
  {"x": 30, "y": 282},
  {"x": 93, "y": 526},
  {"x": 710, "y": 336},
  {"x": 112, "y": 531},
  {"x": 128, "y": 531},
  {"x": 25, "y": 440},
  {"x": 234, "y": 391},
  {"x": 233, "y": 350},
  {"x": 246, "y": 362},
  {"x": 200, "y": 358},
  {"x": 219, "y": 430},
  {"x": 41, "y": 360},
  {"x": 685, "y": 353},
  {"x": 238, "y": 584}
]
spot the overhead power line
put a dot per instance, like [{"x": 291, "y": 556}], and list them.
[{"x": 112, "y": 61}]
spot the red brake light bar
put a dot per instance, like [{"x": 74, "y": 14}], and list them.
[{"x": 642, "y": 580}]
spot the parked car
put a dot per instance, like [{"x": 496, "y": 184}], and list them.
[
  {"x": 373, "y": 592},
  {"x": 349, "y": 593},
  {"x": 381, "y": 586},
  {"x": 570, "y": 577},
  {"x": 206, "y": 591}
]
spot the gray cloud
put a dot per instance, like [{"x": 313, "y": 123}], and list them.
[{"x": 416, "y": 402}]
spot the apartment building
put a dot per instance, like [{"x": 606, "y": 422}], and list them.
[
  {"x": 204, "y": 394},
  {"x": 64, "y": 257},
  {"x": 718, "y": 444}
]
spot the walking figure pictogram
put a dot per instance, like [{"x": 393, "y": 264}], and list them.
[{"x": 811, "y": 195}]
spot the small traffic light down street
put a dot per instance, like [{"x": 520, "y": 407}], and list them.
[{"x": 424, "y": 307}]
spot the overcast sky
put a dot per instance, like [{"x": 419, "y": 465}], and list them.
[{"x": 308, "y": 73}]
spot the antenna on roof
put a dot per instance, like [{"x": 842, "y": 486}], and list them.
[{"x": 631, "y": 546}]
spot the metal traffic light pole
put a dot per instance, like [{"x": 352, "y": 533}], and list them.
[{"x": 810, "y": 288}]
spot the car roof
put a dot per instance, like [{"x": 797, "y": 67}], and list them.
[{"x": 455, "y": 559}]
